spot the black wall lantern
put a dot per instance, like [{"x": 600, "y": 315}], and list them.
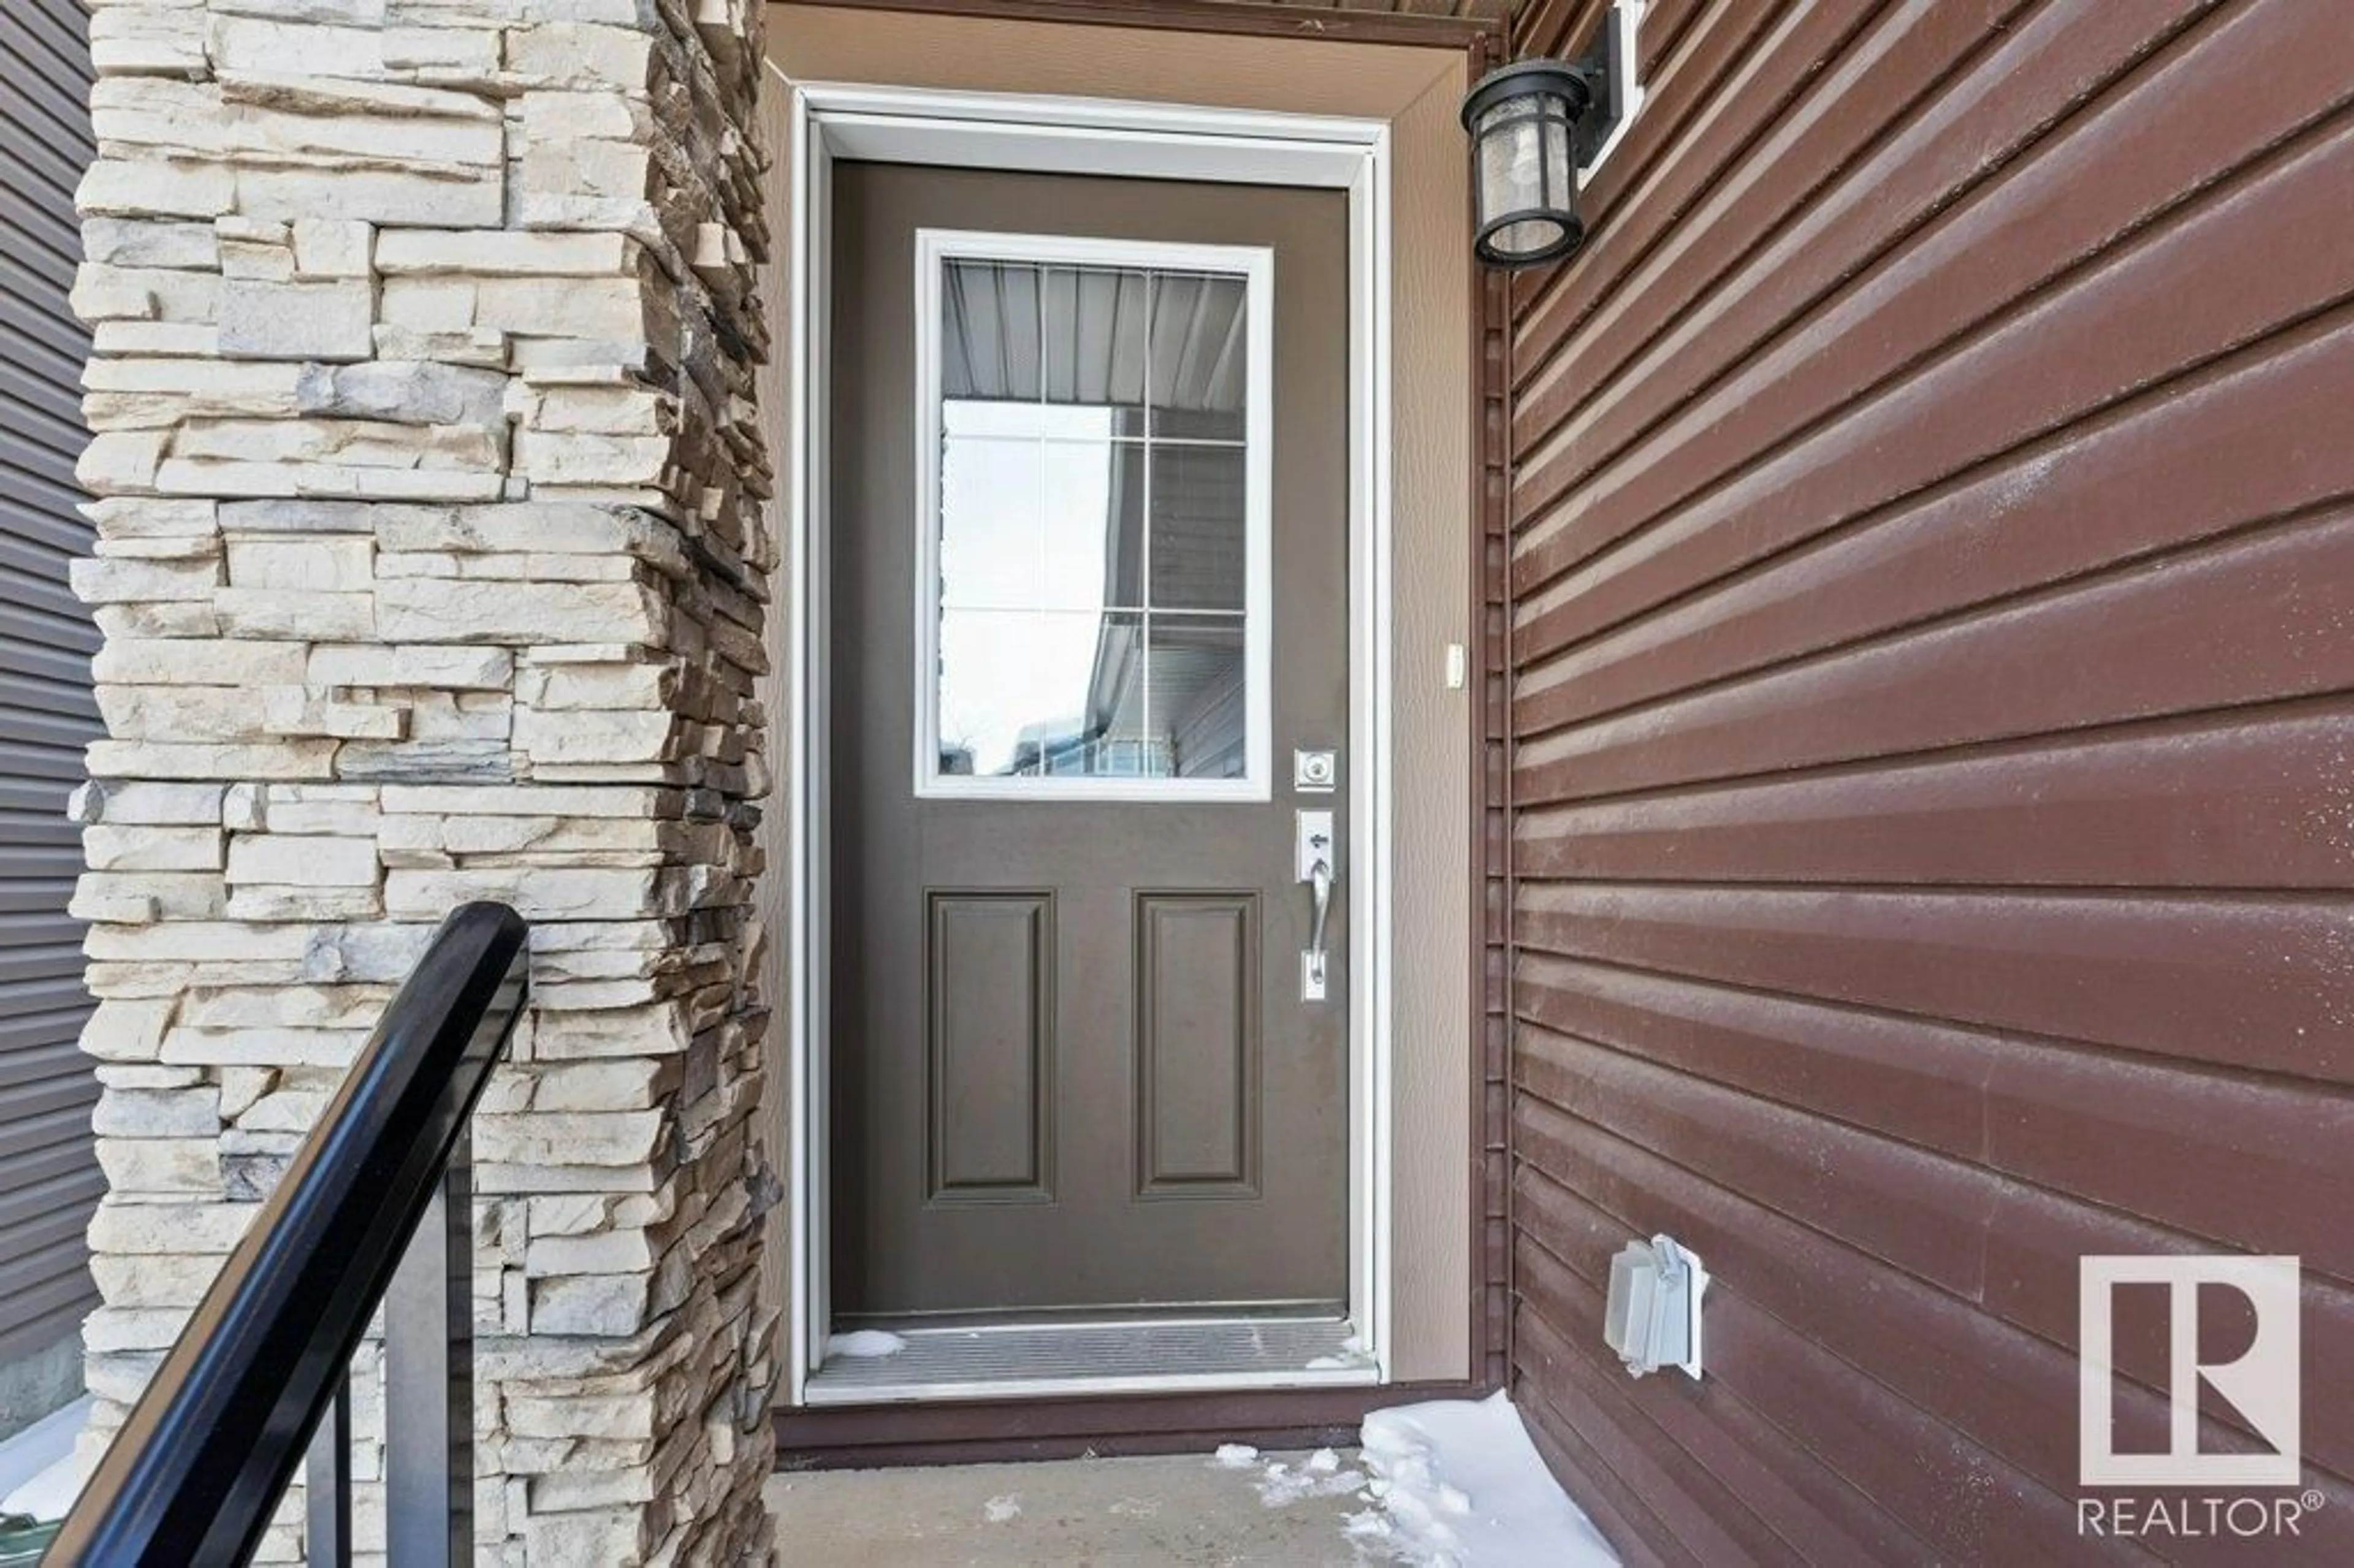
[
  {"x": 1533, "y": 123},
  {"x": 1523, "y": 120}
]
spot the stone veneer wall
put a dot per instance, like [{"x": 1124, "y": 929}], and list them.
[{"x": 431, "y": 567}]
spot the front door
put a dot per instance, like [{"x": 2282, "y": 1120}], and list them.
[{"x": 1089, "y": 588}]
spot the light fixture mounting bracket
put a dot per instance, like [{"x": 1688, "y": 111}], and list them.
[{"x": 1607, "y": 65}]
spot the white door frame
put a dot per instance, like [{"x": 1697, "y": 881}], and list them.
[{"x": 1072, "y": 135}]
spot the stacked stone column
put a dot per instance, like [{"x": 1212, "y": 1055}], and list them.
[{"x": 431, "y": 567}]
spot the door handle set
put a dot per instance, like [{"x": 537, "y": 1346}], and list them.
[{"x": 1315, "y": 854}]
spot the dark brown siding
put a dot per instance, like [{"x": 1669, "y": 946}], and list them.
[
  {"x": 1932, "y": 698},
  {"x": 49, "y": 1177}
]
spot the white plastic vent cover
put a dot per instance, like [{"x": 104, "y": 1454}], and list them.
[{"x": 1653, "y": 1319}]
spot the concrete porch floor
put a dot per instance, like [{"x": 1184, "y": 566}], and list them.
[{"x": 1185, "y": 1511}]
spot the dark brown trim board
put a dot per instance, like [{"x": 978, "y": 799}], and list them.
[
  {"x": 1243, "y": 16},
  {"x": 998, "y": 1431},
  {"x": 1491, "y": 620}
]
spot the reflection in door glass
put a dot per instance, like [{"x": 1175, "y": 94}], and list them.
[
  {"x": 1196, "y": 664},
  {"x": 1093, "y": 534},
  {"x": 1197, "y": 528},
  {"x": 1043, "y": 693},
  {"x": 992, "y": 507}
]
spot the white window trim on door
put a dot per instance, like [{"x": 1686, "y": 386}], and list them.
[
  {"x": 1255, "y": 265},
  {"x": 1136, "y": 140}
]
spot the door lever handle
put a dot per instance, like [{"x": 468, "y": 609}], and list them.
[
  {"x": 1313, "y": 858},
  {"x": 1320, "y": 882}
]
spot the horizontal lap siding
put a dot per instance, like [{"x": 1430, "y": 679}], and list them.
[
  {"x": 1932, "y": 708},
  {"x": 48, "y": 1175}
]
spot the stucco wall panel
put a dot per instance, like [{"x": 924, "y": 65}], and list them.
[{"x": 1440, "y": 1278}]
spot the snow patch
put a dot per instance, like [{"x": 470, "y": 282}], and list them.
[
  {"x": 36, "y": 1466},
  {"x": 1450, "y": 1484},
  {"x": 1458, "y": 1485},
  {"x": 1282, "y": 1484},
  {"x": 1002, "y": 1511},
  {"x": 1351, "y": 1356},
  {"x": 866, "y": 1344}
]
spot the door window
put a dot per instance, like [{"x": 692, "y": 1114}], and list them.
[{"x": 1096, "y": 486}]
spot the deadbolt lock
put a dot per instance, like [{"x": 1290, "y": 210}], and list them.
[{"x": 1315, "y": 772}]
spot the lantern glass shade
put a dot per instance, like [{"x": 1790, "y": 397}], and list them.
[{"x": 1523, "y": 168}]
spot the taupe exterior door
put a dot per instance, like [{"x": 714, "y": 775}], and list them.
[{"x": 1088, "y": 585}]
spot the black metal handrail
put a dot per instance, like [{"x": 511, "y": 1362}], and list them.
[{"x": 199, "y": 1470}]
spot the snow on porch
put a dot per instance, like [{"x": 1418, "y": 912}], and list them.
[{"x": 1452, "y": 1484}]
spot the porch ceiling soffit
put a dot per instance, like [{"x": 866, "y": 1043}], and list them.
[
  {"x": 950, "y": 45},
  {"x": 1384, "y": 21}
]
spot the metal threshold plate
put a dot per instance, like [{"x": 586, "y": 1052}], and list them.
[{"x": 1163, "y": 1355}]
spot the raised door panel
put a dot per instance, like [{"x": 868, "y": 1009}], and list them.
[
  {"x": 1198, "y": 1041},
  {"x": 989, "y": 965}
]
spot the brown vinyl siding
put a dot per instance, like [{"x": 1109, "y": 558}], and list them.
[
  {"x": 1931, "y": 699},
  {"x": 49, "y": 1177}
]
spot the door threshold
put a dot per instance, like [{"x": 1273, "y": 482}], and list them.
[{"x": 1070, "y": 1360}]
